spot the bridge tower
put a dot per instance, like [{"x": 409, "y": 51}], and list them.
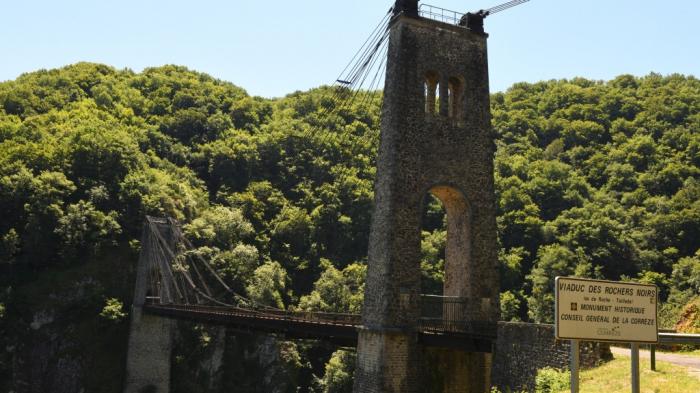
[
  {"x": 436, "y": 137},
  {"x": 150, "y": 337}
]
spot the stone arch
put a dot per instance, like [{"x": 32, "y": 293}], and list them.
[
  {"x": 431, "y": 86},
  {"x": 459, "y": 234}
]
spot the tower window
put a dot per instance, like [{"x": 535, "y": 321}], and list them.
[
  {"x": 455, "y": 90},
  {"x": 432, "y": 92}
]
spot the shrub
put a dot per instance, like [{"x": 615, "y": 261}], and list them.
[
  {"x": 550, "y": 380},
  {"x": 113, "y": 310}
]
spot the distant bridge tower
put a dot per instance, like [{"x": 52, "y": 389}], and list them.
[
  {"x": 151, "y": 337},
  {"x": 436, "y": 137}
]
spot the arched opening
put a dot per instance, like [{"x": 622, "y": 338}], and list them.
[
  {"x": 455, "y": 89},
  {"x": 446, "y": 303},
  {"x": 446, "y": 243},
  {"x": 431, "y": 86}
]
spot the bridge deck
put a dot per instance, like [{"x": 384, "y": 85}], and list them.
[{"x": 341, "y": 329}]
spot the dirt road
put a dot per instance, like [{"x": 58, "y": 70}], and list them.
[{"x": 692, "y": 363}]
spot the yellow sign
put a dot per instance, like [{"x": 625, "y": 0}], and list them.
[{"x": 598, "y": 310}]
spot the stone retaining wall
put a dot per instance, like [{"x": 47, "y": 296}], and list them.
[{"x": 523, "y": 348}]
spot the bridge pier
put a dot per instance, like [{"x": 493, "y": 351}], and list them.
[
  {"x": 387, "y": 362},
  {"x": 455, "y": 371},
  {"x": 394, "y": 361},
  {"x": 148, "y": 354}
]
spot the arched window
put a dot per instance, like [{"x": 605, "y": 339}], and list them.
[
  {"x": 432, "y": 92},
  {"x": 455, "y": 89}
]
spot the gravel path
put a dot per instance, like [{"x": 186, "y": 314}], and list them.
[{"x": 692, "y": 363}]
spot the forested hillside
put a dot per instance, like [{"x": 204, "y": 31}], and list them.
[{"x": 596, "y": 179}]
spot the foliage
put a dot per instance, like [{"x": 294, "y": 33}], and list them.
[
  {"x": 594, "y": 179},
  {"x": 433, "y": 261},
  {"x": 590, "y": 177},
  {"x": 598, "y": 179},
  {"x": 511, "y": 304},
  {"x": 689, "y": 320},
  {"x": 549, "y": 380},
  {"x": 267, "y": 287},
  {"x": 113, "y": 310},
  {"x": 686, "y": 274},
  {"x": 336, "y": 290},
  {"x": 552, "y": 260},
  {"x": 83, "y": 228},
  {"x": 9, "y": 245},
  {"x": 339, "y": 372},
  {"x": 683, "y": 293},
  {"x": 219, "y": 226}
]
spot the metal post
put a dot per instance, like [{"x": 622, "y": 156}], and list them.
[
  {"x": 652, "y": 352},
  {"x": 635, "y": 367},
  {"x": 574, "y": 365}
]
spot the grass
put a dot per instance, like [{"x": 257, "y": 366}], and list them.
[{"x": 614, "y": 377}]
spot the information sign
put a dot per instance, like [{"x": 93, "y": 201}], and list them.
[{"x": 598, "y": 310}]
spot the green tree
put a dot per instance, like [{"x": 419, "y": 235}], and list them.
[
  {"x": 510, "y": 306},
  {"x": 84, "y": 228},
  {"x": 552, "y": 260},
  {"x": 219, "y": 226},
  {"x": 268, "y": 284},
  {"x": 336, "y": 290},
  {"x": 338, "y": 377}
]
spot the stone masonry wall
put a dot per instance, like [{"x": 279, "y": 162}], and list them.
[{"x": 523, "y": 348}]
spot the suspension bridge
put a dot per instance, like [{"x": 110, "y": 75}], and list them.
[
  {"x": 435, "y": 138},
  {"x": 183, "y": 285}
]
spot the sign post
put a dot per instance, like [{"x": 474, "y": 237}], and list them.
[
  {"x": 635, "y": 367},
  {"x": 596, "y": 310},
  {"x": 575, "y": 356}
]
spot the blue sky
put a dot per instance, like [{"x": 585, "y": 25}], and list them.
[{"x": 272, "y": 48}]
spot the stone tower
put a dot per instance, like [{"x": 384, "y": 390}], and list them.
[
  {"x": 436, "y": 137},
  {"x": 150, "y": 337}
]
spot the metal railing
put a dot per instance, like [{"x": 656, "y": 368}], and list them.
[
  {"x": 439, "y": 314},
  {"x": 320, "y": 317},
  {"x": 440, "y": 14},
  {"x": 679, "y": 338},
  {"x": 306, "y": 316},
  {"x": 670, "y": 337},
  {"x": 454, "y": 314}
]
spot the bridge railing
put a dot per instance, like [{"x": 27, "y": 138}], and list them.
[
  {"x": 454, "y": 314},
  {"x": 267, "y": 313},
  {"x": 439, "y": 314},
  {"x": 439, "y": 14},
  {"x": 321, "y": 317}
]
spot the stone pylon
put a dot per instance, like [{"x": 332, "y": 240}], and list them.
[
  {"x": 436, "y": 137},
  {"x": 150, "y": 337}
]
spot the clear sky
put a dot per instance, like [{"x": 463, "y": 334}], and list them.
[{"x": 272, "y": 48}]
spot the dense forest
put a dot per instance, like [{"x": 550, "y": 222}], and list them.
[{"x": 594, "y": 179}]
